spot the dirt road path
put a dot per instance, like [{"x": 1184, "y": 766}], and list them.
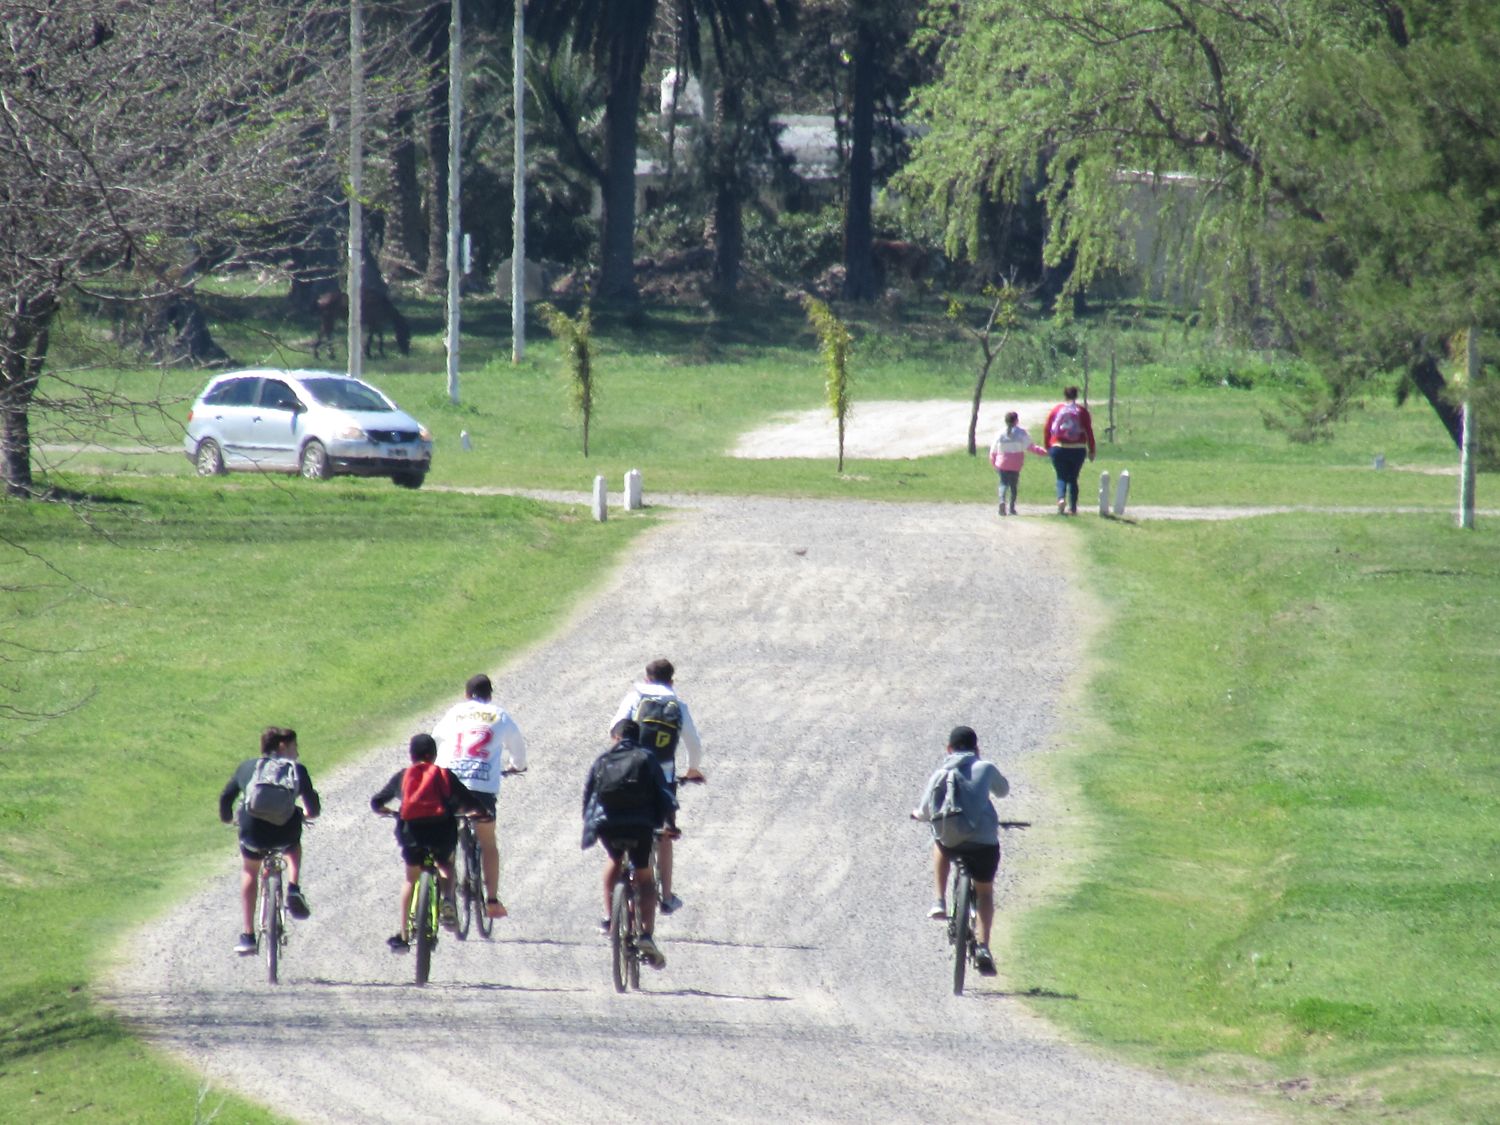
[{"x": 826, "y": 649}]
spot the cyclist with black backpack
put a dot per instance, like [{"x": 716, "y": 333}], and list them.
[
  {"x": 427, "y": 824},
  {"x": 625, "y": 801},
  {"x": 666, "y": 723},
  {"x": 273, "y": 785}
]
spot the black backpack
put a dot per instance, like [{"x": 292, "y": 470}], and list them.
[
  {"x": 622, "y": 780},
  {"x": 660, "y": 718}
]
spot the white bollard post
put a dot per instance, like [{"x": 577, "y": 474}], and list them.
[
  {"x": 1104, "y": 493},
  {"x": 1122, "y": 490},
  {"x": 463, "y": 440},
  {"x": 633, "y": 500},
  {"x": 601, "y": 500}
]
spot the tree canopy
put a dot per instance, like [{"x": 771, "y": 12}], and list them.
[{"x": 1344, "y": 158}]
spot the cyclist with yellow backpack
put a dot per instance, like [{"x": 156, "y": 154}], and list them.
[{"x": 666, "y": 723}]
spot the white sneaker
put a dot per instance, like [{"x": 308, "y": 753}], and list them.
[{"x": 938, "y": 910}]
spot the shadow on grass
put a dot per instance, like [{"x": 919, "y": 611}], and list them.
[{"x": 52, "y": 1017}]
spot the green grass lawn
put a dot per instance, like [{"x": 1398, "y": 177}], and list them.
[
  {"x": 1285, "y": 857},
  {"x": 144, "y": 651},
  {"x": 1293, "y": 812}
]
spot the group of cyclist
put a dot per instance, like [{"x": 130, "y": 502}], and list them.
[{"x": 456, "y": 770}]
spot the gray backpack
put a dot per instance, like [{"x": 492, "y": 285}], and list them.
[
  {"x": 272, "y": 793},
  {"x": 951, "y": 823}
]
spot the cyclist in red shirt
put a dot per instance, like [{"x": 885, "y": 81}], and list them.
[{"x": 430, "y": 796}]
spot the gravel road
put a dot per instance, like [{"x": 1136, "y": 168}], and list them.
[{"x": 826, "y": 649}]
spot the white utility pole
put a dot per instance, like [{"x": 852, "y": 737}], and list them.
[
  {"x": 518, "y": 217},
  {"x": 455, "y": 138},
  {"x": 1470, "y": 436},
  {"x": 355, "y": 283}
]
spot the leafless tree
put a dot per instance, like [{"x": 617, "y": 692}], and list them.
[{"x": 143, "y": 142}]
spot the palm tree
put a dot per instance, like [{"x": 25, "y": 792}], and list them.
[{"x": 616, "y": 34}]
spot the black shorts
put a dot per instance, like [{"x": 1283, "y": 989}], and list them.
[
  {"x": 485, "y": 801},
  {"x": 433, "y": 835},
  {"x": 257, "y": 837},
  {"x": 981, "y": 860},
  {"x": 634, "y": 841}
]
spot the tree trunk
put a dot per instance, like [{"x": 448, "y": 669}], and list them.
[
  {"x": 859, "y": 258},
  {"x": 436, "y": 278},
  {"x": 175, "y": 331},
  {"x": 627, "y": 63},
  {"x": 408, "y": 244},
  {"x": 728, "y": 217},
  {"x": 22, "y": 353},
  {"x": 1428, "y": 378}
]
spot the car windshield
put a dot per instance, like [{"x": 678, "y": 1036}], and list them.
[{"x": 346, "y": 394}]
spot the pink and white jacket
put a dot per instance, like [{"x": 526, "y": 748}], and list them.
[{"x": 1009, "y": 449}]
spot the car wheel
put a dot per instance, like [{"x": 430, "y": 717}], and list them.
[
  {"x": 409, "y": 480},
  {"x": 210, "y": 459},
  {"x": 314, "y": 464}
]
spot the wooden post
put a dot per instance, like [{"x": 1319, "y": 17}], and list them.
[
  {"x": 1470, "y": 436},
  {"x": 601, "y": 500},
  {"x": 1109, "y": 430}
]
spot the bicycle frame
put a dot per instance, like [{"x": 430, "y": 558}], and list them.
[
  {"x": 270, "y": 912},
  {"x": 422, "y": 916},
  {"x": 625, "y": 927}
]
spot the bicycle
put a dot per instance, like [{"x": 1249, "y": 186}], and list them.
[
  {"x": 625, "y": 927},
  {"x": 669, "y": 830},
  {"x": 472, "y": 901},
  {"x": 423, "y": 912},
  {"x": 270, "y": 911},
  {"x": 422, "y": 916},
  {"x": 964, "y": 914}
]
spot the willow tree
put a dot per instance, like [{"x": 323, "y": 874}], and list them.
[
  {"x": 834, "y": 342},
  {"x": 1334, "y": 164}
]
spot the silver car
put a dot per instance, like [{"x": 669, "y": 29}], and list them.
[{"x": 317, "y": 423}]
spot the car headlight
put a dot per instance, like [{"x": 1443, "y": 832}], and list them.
[
  {"x": 424, "y": 433},
  {"x": 351, "y": 433}
]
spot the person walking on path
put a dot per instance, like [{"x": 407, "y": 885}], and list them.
[
  {"x": 1069, "y": 439},
  {"x": 1007, "y": 454}
]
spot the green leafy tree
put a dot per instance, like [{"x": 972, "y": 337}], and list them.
[
  {"x": 576, "y": 336},
  {"x": 834, "y": 342},
  {"x": 1341, "y": 160},
  {"x": 616, "y": 34}
]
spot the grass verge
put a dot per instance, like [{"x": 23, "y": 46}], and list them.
[
  {"x": 151, "y": 644},
  {"x": 1296, "y": 813}
]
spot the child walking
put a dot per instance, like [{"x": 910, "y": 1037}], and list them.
[{"x": 1007, "y": 454}]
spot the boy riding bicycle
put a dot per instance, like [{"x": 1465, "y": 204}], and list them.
[
  {"x": 970, "y": 835},
  {"x": 273, "y": 785},
  {"x": 426, "y": 825},
  {"x": 625, "y": 802}
]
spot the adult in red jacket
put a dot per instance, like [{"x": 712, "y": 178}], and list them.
[{"x": 1069, "y": 439}]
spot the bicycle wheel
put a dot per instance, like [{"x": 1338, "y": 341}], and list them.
[
  {"x": 963, "y": 922},
  {"x": 619, "y": 936},
  {"x": 424, "y": 923},
  {"x": 467, "y": 904},
  {"x": 475, "y": 858},
  {"x": 270, "y": 923}
]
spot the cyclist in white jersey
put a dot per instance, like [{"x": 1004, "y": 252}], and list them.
[
  {"x": 658, "y": 684},
  {"x": 476, "y": 740}
]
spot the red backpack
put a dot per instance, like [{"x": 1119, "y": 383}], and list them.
[{"x": 425, "y": 789}]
